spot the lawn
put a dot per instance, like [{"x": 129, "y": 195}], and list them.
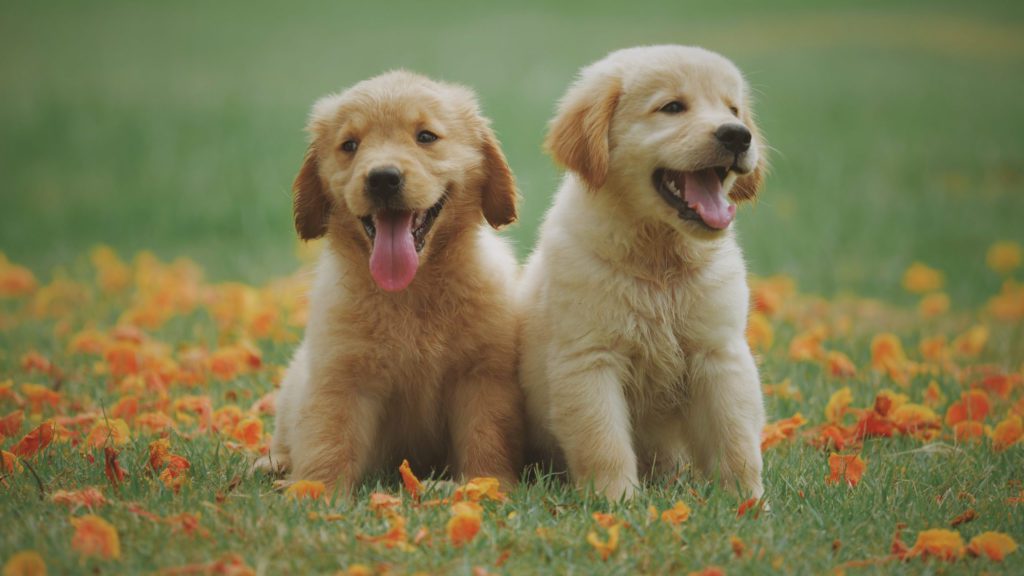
[{"x": 170, "y": 133}]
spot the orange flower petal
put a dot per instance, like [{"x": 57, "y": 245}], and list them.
[
  {"x": 110, "y": 432},
  {"x": 943, "y": 544},
  {"x": 837, "y": 404},
  {"x": 396, "y": 535},
  {"x": 968, "y": 430},
  {"x": 480, "y": 489},
  {"x": 9, "y": 462},
  {"x": 412, "y": 484},
  {"x": 1003, "y": 257},
  {"x": 34, "y": 441},
  {"x": 759, "y": 332},
  {"x": 775, "y": 432},
  {"x": 920, "y": 278},
  {"x": 464, "y": 524},
  {"x": 973, "y": 405},
  {"x": 94, "y": 536},
  {"x": 11, "y": 424},
  {"x": 380, "y": 501},
  {"x": 301, "y": 489},
  {"x": 848, "y": 467},
  {"x": 90, "y": 498},
  {"x": 249, "y": 431},
  {"x": 677, "y": 514},
  {"x": 25, "y": 563},
  {"x": 995, "y": 545},
  {"x": 745, "y": 507},
  {"x": 605, "y": 547},
  {"x": 1008, "y": 432},
  {"x": 839, "y": 365},
  {"x": 112, "y": 468}
]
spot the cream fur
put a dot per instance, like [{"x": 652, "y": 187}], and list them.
[{"x": 633, "y": 351}]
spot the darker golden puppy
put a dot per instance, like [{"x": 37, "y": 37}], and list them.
[{"x": 410, "y": 350}]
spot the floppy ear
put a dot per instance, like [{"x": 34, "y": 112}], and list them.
[
  {"x": 578, "y": 135},
  {"x": 499, "y": 195},
  {"x": 747, "y": 186},
  {"x": 310, "y": 201}
]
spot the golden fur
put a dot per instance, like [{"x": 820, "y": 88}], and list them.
[
  {"x": 427, "y": 373},
  {"x": 633, "y": 352}
]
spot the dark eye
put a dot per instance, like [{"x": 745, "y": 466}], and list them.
[
  {"x": 735, "y": 111},
  {"x": 350, "y": 146},
  {"x": 426, "y": 137},
  {"x": 673, "y": 107}
]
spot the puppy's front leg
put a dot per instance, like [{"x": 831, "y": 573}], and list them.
[
  {"x": 486, "y": 422},
  {"x": 725, "y": 418},
  {"x": 335, "y": 431},
  {"x": 590, "y": 419}
]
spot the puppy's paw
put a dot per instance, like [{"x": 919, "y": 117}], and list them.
[
  {"x": 617, "y": 489},
  {"x": 271, "y": 465},
  {"x": 282, "y": 485}
]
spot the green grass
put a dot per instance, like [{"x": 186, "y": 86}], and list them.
[
  {"x": 177, "y": 127},
  {"x": 811, "y": 527}
]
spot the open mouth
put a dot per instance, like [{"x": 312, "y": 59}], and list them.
[
  {"x": 697, "y": 196},
  {"x": 398, "y": 236},
  {"x": 420, "y": 222}
]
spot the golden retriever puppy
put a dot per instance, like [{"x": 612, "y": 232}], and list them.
[
  {"x": 635, "y": 300},
  {"x": 410, "y": 349}
]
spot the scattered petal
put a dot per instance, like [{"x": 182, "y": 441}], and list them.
[
  {"x": 1003, "y": 257},
  {"x": 380, "y": 501},
  {"x": 942, "y": 544},
  {"x": 919, "y": 279},
  {"x": 677, "y": 514},
  {"x": 412, "y": 484},
  {"x": 605, "y": 548},
  {"x": 837, "y": 404},
  {"x": 847, "y": 467},
  {"x": 303, "y": 489},
  {"x": 480, "y": 489},
  {"x": 995, "y": 545},
  {"x": 94, "y": 536},
  {"x": 34, "y": 441},
  {"x": 25, "y": 563},
  {"x": 90, "y": 498},
  {"x": 464, "y": 524}
]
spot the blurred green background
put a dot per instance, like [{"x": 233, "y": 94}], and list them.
[{"x": 177, "y": 126}]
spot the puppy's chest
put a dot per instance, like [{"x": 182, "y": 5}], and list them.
[{"x": 660, "y": 333}]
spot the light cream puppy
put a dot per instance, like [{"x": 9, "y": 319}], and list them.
[
  {"x": 410, "y": 349},
  {"x": 635, "y": 301}
]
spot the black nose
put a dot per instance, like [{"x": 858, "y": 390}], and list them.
[
  {"x": 735, "y": 137},
  {"x": 384, "y": 182}
]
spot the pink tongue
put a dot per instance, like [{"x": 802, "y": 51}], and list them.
[
  {"x": 703, "y": 193},
  {"x": 394, "y": 260}
]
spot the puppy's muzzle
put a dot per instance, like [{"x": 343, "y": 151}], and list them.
[
  {"x": 384, "y": 185},
  {"x": 734, "y": 137}
]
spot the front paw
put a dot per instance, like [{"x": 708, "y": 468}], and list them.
[
  {"x": 616, "y": 488},
  {"x": 272, "y": 465}
]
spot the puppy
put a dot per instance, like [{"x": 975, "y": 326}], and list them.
[
  {"x": 635, "y": 300},
  {"x": 410, "y": 349}
]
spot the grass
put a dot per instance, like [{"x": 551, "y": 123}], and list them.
[
  {"x": 812, "y": 526},
  {"x": 177, "y": 128}
]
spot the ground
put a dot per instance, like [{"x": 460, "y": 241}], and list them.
[{"x": 882, "y": 254}]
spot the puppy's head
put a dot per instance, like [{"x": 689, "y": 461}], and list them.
[
  {"x": 396, "y": 162},
  {"x": 668, "y": 127}
]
